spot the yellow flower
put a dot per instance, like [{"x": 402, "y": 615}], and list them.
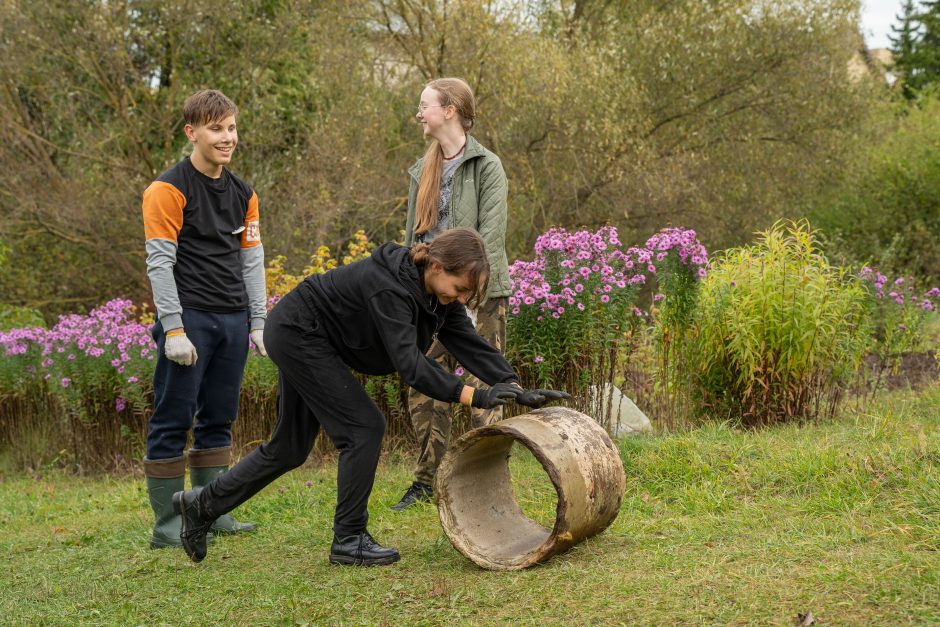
[{"x": 280, "y": 282}]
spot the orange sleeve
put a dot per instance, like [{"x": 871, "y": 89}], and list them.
[
  {"x": 251, "y": 236},
  {"x": 163, "y": 211}
]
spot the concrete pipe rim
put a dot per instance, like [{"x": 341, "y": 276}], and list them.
[{"x": 552, "y": 536}]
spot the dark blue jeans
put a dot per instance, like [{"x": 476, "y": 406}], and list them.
[{"x": 207, "y": 391}]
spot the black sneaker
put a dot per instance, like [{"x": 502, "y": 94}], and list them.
[
  {"x": 416, "y": 493},
  {"x": 361, "y": 549},
  {"x": 195, "y": 523}
]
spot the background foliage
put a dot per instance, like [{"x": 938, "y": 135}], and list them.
[
  {"x": 916, "y": 47},
  {"x": 886, "y": 208},
  {"x": 722, "y": 114}
]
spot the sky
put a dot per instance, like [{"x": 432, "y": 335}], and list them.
[{"x": 877, "y": 18}]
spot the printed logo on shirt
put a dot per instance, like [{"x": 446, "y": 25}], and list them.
[{"x": 254, "y": 232}]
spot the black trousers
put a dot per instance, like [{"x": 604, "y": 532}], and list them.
[{"x": 315, "y": 388}]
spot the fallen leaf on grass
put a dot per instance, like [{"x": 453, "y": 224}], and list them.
[
  {"x": 439, "y": 589},
  {"x": 804, "y": 620}
]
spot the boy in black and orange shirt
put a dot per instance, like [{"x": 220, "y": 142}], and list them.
[{"x": 206, "y": 267}]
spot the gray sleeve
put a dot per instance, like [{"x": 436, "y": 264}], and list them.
[
  {"x": 253, "y": 273},
  {"x": 161, "y": 257}
]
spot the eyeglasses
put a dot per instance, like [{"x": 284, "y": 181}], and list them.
[{"x": 424, "y": 107}]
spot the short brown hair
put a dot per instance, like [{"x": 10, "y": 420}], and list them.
[
  {"x": 208, "y": 105},
  {"x": 458, "y": 250}
]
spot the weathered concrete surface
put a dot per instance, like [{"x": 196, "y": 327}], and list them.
[{"x": 477, "y": 506}]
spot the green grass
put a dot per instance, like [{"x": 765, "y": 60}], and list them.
[{"x": 718, "y": 526}]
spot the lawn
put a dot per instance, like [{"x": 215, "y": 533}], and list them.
[{"x": 838, "y": 518}]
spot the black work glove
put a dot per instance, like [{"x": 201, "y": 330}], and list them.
[
  {"x": 495, "y": 396},
  {"x": 538, "y": 397}
]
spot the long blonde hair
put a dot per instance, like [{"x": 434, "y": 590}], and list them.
[{"x": 450, "y": 91}]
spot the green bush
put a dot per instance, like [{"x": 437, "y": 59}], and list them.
[
  {"x": 886, "y": 211},
  {"x": 780, "y": 331}
]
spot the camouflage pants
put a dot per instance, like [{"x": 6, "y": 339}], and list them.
[{"x": 432, "y": 418}]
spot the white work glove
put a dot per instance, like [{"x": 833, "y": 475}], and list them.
[
  {"x": 257, "y": 336},
  {"x": 179, "y": 349}
]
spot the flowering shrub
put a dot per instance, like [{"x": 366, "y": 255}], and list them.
[
  {"x": 682, "y": 263},
  {"x": 99, "y": 358},
  {"x": 85, "y": 385},
  {"x": 572, "y": 307},
  {"x": 684, "y": 244},
  {"x": 764, "y": 333},
  {"x": 280, "y": 282},
  {"x": 899, "y": 313}
]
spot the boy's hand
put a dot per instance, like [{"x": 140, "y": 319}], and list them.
[
  {"x": 180, "y": 350},
  {"x": 257, "y": 336}
]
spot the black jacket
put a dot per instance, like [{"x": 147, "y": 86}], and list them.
[{"x": 380, "y": 320}]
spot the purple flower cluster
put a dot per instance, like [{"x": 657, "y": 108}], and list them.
[
  {"x": 901, "y": 290},
  {"x": 685, "y": 243},
  {"x": 574, "y": 271},
  {"x": 107, "y": 333}
]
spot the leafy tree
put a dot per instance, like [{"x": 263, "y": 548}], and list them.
[
  {"x": 916, "y": 46},
  {"x": 886, "y": 208},
  {"x": 719, "y": 115},
  {"x": 90, "y": 113}
]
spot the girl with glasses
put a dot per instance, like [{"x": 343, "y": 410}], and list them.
[{"x": 457, "y": 183}]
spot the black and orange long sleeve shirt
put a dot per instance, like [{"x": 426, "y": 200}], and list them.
[{"x": 203, "y": 245}]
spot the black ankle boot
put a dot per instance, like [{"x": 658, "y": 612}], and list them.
[
  {"x": 361, "y": 549},
  {"x": 416, "y": 493},
  {"x": 195, "y": 523}
]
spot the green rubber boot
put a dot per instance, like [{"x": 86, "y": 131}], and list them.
[
  {"x": 164, "y": 477},
  {"x": 204, "y": 466}
]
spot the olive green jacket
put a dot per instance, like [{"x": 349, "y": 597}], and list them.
[{"x": 478, "y": 202}]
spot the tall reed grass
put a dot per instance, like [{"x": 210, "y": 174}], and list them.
[{"x": 779, "y": 331}]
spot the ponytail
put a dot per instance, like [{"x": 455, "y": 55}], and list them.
[
  {"x": 457, "y": 251},
  {"x": 420, "y": 253},
  {"x": 429, "y": 189}
]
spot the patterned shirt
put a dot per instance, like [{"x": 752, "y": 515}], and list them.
[{"x": 443, "y": 206}]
